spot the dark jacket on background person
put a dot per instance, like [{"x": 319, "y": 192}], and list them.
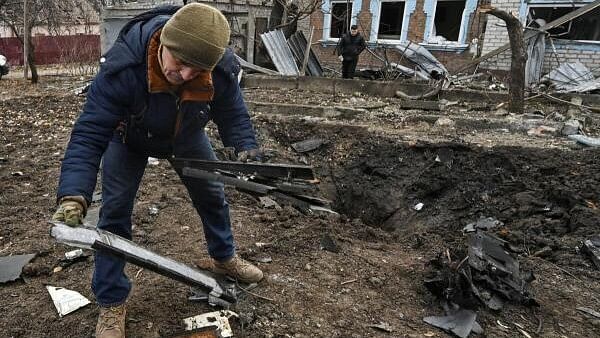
[
  {"x": 123, "y": 103},
  {"x": 351, "y": 46}
]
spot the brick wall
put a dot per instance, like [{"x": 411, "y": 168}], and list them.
[{"x": 416, "y": 25}]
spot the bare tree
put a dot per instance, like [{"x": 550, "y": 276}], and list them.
[
  {"x": 51, "y": 15},
  {"x": 516, "y": 88}
]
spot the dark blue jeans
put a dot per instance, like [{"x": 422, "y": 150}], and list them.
[{"x": 122, "y": 172}]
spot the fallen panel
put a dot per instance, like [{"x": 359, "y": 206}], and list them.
[
  {"x": 118, "y": 246},
  {"x": 280, "y": 52},
  {"x": 12, "y": 266},
  {"x": 66, "y": 301},
  {"x": 297, "y": 43}
]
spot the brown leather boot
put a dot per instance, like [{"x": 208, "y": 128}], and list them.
[
  {"x": 111, "y": 322},
  {"x": 236, "y": 268}
]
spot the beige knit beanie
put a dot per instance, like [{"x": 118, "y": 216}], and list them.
[{"x": 196, "y": 34}]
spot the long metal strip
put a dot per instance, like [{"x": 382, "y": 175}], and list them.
[
  {"x": 277, "y": 170},
  {"x": 232, "y": 181},
  {"x": 127, "y": 250}
]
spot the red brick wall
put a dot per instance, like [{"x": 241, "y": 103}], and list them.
[
  {"x": 416, "y": 25},
  {"x": 54, "y": 49}
]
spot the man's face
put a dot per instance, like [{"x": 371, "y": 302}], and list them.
[
  {"x": 353, "y": 32},
  {"x": 176, "y": 71}
]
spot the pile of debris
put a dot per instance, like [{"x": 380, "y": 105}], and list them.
[{"x": 487, "y": 274}]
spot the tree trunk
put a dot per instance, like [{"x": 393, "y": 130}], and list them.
[
  {"x": 518, "y": 60},
  {"x": 31, "y": 59}
]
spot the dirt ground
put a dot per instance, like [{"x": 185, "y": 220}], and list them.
[{"x": 375, "y": 168}]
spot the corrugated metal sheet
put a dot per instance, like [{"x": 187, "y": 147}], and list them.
[
  {"x": 297, "y": 43},
  {"x": 280, "y": 52}
]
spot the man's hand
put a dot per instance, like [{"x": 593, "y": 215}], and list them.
[
  {"x": 250, "y": 155},
  {"x": 341, "y": 58},
  {"x": 71, "y": 211}
]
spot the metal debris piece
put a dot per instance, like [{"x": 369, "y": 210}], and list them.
[
  {"x": 274, "y": 170},
  {"x": 420, "y": 56},
  {"x": 280, "y": 52},
  {"x": 218, "y": 319},
  {"x": 307, "y": 145},
  {"x": 12, "y": 266},
  {"x": 461, "y": 323},
  {"x": 71, "y": 255},
  {"x": 66, "y": 301},
  {"x": 418, "y": 206},
  {"x": 586, "y": 140},
  {"x": 589, "y": 311},
  {"x": 329, "y": 244},
  {"x": 483, "y": 223},
  {"x": 298, "y": 43},
  {"x": 592, "y": 248},
  {"x": 248, "y": 65},
  {"x": 572, "y": 77},
  {"x": 498, "y": 270},
  {"x": 118, "y": 246}
]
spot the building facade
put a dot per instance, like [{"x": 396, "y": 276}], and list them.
[{"x": 453, "y": 30}]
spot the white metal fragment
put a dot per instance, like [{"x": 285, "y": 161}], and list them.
[
  {"x": 66, "y": 301},
  {"x": 220, "y": 319}
]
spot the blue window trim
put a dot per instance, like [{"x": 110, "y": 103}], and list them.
[
  {"x": 375, "y": 9},
  {"x": 326, "y": 9}
]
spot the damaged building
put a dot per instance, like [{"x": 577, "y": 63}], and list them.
[{"x": 454, "y": 31}]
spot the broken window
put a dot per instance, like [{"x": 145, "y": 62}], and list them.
[
  {"x": 448, "y": 19},
  {"x": 390, "y": 20},
  {"x": 585, "y": 27},
  {"x": 341, "y": 13}
]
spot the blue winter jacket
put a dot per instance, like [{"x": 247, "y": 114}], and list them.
[{"x": 119, "y": 97}]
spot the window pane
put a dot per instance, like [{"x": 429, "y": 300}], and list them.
[
  {"x": 448, "y": 19},
  {"x": 390, "y": 20},
  {"x": 341, "y": 13}
]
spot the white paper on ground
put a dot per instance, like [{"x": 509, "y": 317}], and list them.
[{"x": 66, "y": 301}]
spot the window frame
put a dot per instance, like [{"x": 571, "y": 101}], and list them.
[
  {"x": 546, "y": 3},
  {"x": 430, "y": 9},
  {"x": 326, "y": 9},
  {"x": 375, "y": 8}
]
